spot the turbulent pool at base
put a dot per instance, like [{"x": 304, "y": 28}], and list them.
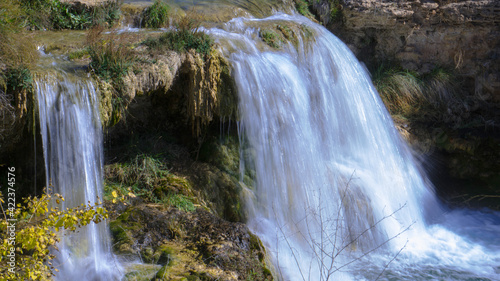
[
  {"x": 337, "y": 193},
  {"x": 72, "y": 143}
]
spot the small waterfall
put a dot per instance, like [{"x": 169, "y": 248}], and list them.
[
  {"x": 334, "y": 182},
  {"x": 72, "y": 143}
]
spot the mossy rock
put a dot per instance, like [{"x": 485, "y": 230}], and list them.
[
  {"x": 122, "y": 229},
  {"x": 122, "y": 240},
  {"x": 140, "y": 272},
  {"x": 277, "y": 35}
]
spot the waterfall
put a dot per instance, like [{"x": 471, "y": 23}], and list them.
[
  {"x": 337, "y": 193},
  {"x": 72, "y": 146}
]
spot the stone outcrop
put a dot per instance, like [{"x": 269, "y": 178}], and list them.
[
  {"x": 424, "y": 34},
  {"x": 189, "y": 245},
  {"x": 188, "y": 87}
]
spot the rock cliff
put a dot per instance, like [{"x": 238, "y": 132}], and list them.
[{"x": 423, "y": 34}]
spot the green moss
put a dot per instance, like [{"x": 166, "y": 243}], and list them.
[
  {"x": 271, "y": 38},
  {"x": 226, "y": 91},
  {"x": 179, "y": 201},
  {"x": 256, "y": 245},
  {"x": 140, "y": 272},
  {"x": 277, "y": 35},
  {"x": 165, "y": 255},
  {"x": 307, "y": 32},
  {"x": 222, "y": 153},
  {"x": 162, "y": 273},
  {"x": 79, "y": 54},
  {"x": 119, "y": 235}
]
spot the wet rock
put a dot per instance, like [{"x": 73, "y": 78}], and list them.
[{"x": 189, "y": 245}]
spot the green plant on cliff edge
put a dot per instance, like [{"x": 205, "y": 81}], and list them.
[
  {"x": 112, "y": 57},
  {"x": 156, "y": 15},
  {"x": 31, "y": 233},
  {"x": 336, "y": 14},
  {"x": 184, "y": 38},
  {"x": 302, "y": 6},
  {"x": 271, "y": 38}
]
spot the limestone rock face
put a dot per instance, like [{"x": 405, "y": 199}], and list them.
[{"x": 423, "y": 34}]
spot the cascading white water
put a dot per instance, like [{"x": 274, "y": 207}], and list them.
[
  {"x": 334, "y": 183},
  {"x": 72, "y": 145}
]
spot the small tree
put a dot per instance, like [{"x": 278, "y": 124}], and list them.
[{"x": 31, "y": 233}]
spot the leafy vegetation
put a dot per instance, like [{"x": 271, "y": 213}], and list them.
[
  {"x": 156, "y": 15},
  {"x": 184, "y": 38},
  {"x": 54, "y": 14},
  {"x": 19, "y": 79},
  {"x": 336, "y": 13},
  {"x": 36, "y": 227},
  {"x": 302, "y": 6}
]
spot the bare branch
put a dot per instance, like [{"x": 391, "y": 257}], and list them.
[{"x": 395, "y": 256}]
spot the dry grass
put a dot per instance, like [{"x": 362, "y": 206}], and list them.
[
  {"x": 400, "y": 91},
  {"x": 436, "y": 96},
  {"x": 87, "y": 2},
  {"x": 17, "y": 47}
]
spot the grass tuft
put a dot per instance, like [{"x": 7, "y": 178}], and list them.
[
  {"x": 302, "y": 7},
  {"x": 401, "y": 91},
  {"x": 271, "y": 38},
  {"x": 147, "y": 177},
  {"x": 156, "y": 15},
  {"x": 436, "y": 96},
  {"x": 184, "y": 38},
  {"x": 112, "y": 57}
]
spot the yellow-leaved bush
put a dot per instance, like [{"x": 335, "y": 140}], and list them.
[{"x": 35, "y": 227}]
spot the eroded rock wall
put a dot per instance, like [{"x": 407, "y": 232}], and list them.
[{"x": 424, "y": 34}]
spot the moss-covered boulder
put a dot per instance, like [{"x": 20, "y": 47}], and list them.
[{"x": 189, "y": 245}]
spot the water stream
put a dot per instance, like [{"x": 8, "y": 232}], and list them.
[
  {"x": 337, "y": 193},
  {"x": 72, "y": 146}
]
